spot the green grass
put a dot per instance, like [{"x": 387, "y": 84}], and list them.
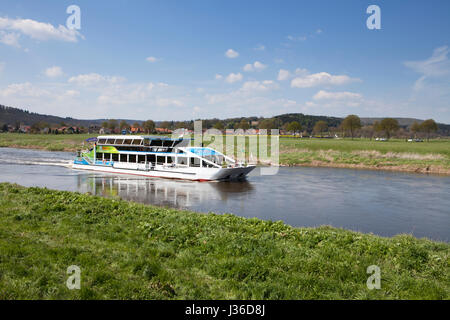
[
  {"x": 132, "y": 251},
  {"x": 49, "y": 142},
  {"x": 441, "y": 146},
  {"x": 431, "y": 157}
]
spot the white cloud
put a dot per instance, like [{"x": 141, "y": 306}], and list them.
[
  {"x": 436, "y": 66},
  {"x": 318, "y": 79},
  {"x": 53, "y": 72},
  {"x": 25, "y": 89},
  {"x": 260, "y": 48},
  {"x": 234, "y": 77},
  {"x": 94, "y": 78},
  {"x": 345, "y": 95},
  {"x": 294, "y": 38},
  {"x": 230, "y": 53},
  {"x": 283, "y": 75},
  {"x": 256, "y": 66},
  {"x": 10, "y": 39},
  {"x": 319, "y": 31},
  {"x": 218, "y": 76},
  {"x": 259, "y": 85},
  {"x": 278, "y": 60},
  {"x": 152, "y": 59},
  {"x": 35, "y": 30}
]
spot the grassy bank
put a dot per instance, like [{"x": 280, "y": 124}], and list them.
[
  {"x": 49, "y": 142},
  {"x": 132, "y": 251},
  {"x": 396, "y": 155}
]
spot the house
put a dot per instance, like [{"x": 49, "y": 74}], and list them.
[
  {"x": 136, "y": 130},
  {"x": 163, "y": 130},
  {"x": 24, "y": 129},
  {"x": 105, "y": 131}
]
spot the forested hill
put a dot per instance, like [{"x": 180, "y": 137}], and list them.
[{"x": 12, "y": 116}]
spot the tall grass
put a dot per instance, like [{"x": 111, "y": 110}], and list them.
[{"x": 132, "y": 251}]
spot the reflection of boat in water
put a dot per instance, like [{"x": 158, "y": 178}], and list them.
[
  {"x": 159, "y": 157},
  {"x": 164, "y": 192}
]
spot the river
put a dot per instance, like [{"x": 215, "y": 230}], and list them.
[{"x": 383, "y": 203}]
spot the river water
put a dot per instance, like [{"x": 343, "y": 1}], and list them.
[{"x": 383, "y": 203}]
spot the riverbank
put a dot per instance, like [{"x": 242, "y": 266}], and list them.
[
  {"x": 132, "y": 251},
  {"x": 394, "y": 155}
]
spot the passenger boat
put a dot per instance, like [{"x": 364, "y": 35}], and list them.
[{"x": 155, "y": 156}]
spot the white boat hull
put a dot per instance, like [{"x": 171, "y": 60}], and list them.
[{"x": 160, "y": 171}]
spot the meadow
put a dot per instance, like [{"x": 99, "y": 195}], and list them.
[
  {"x": 132, "y": 251},
  {"x": 398, "y": 155}
]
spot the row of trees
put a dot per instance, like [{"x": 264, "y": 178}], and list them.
[{"x": 352, "y": 126}]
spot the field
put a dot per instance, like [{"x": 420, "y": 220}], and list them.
[
  {"x": 396, "y": 155},
  {"x": 132, "y": 251}
]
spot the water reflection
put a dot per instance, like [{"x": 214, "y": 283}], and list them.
[{"x": 162, "y": 192}]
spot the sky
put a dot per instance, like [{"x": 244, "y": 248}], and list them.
[{"x": 183, "y": 60}]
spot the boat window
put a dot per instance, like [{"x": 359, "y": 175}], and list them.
[
  {"x": 137, "y": 141},
  {"x": 157, "y": 143},
  {"x": 99, "y": 156},
  {"x": 160, "y": 159},
  {"x": 110, "y": 141},
  {"x": 170, "y": 159},
  {"x": 207, "y": 165},
  {"x": 182, "y": 160},
  {"x": 195, "y": 162},
  {"x": 123, "y": 158},
  {"x": 101, "y": 141},
  {"x": 127, "y": 141},
  {"x": 132, "y": 158},
  {"x": 115, "y": 157},
  {"x": 141, "y": 158},
  {"x": 151, "y": 158},
  {"x": 119, "y": 141}
]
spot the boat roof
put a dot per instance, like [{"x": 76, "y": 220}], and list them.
[{"x": 141, "y": 137}]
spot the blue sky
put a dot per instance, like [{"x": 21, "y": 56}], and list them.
[{"x": 180, "y": 60}]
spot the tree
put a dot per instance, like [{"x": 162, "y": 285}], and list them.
[
  {"x": 5, "y": 128},
  {"x": 351, "y": 123},
  {"x": 320, "y": 127},
  {"x": 218, "y": 125},
  {"x": 294, "y": 126},
  {"x": 244, "y": 124},
  {"x": 415, "y": 128},
  {"x": 429, "y": 126},
  {"x": 136, "y": 125},
  {"x": 149, "y": 126},
  {"x": 112, "y": 124},
  {"x": 389, "y": 126},
  {"x": 105, "y": 124},
  {"x": 165, "y": 125},
  {"x": 123, "y": 125},
  {"x": 267, "y": 124}
]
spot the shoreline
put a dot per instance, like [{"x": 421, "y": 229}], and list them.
[
  {"x": 405, "y": 169},
  {"x": 429, "y": 169}
]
